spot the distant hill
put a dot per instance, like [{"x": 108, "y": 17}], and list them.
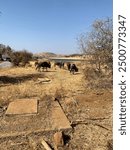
[
  {"x": 50, "y": 54},
  {"x": 45, "y": 55}
]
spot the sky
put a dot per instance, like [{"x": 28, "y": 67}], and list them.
[{"x": 49, "y": 25}]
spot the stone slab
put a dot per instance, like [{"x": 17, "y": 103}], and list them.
[
  {"x": 22, "y": 106},
  {"x": 46, "y": 120},
  {"x": 59, "y": 118}
]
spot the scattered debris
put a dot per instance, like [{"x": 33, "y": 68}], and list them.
[
  {"x": 77, "y": 122},
  {"x": 43, "y": 80},
  {"x": 46, "y": 146}
]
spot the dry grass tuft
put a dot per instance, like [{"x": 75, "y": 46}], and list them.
[{"x": 60, "y": 93}]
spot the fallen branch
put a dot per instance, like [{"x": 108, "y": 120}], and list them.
[
  {"x": 43, "y": 80},
  {"x": 46, "y": 146},
  {"x": 78, "y": 122}
]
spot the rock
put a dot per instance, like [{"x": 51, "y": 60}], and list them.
[
  {"x": 58, "y": 140},
  {"x": 6, "y": 64}
]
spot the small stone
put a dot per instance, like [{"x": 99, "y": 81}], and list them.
[{"x": 58, "y": 140}]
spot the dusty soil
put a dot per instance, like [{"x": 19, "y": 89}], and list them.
[{"x": 89, "y": 111}]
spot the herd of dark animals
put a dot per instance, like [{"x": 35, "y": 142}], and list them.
[
  {"x": 59, "y": 64},
  {"x": 44, "y": 65}
]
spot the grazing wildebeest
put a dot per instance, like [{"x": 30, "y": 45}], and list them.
[
  {"x": 43, "y": 65},
  {"x": 59, "y": 64},
  {"x": 73, "y": 68},
  {"x": 68, "y": 65},
  {"x": 36, "y": 63}
]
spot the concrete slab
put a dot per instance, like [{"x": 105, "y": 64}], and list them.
[
  {"x": 22, "y": 106},
  {"x": 46, "y": 120},
  {"x": 59, "y": 118}
]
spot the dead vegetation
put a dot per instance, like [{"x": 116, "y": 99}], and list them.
[
  {"x": 89, "y": 110},
  {"x": 97, "y": 79}
]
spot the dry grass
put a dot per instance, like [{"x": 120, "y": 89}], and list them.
[
  {"x": 16, "y": 71},
  {"x": 19, "y": 83},
  {"x": 60, "y": 93},
  {"x": 22, "y": 83},
  {"x": 95, "y": 79}
]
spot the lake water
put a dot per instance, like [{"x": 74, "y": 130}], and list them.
[
  {"x": 6, "y": 64},
  {"x": 65, "y": 60}
]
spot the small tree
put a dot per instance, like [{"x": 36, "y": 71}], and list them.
[
  {"x": 21, "y": 57},
  {"x": 5, "y": 50},
  {"x": 99, "y": 43}
]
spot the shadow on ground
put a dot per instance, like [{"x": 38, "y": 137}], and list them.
[{"x": 17, "y": 79}]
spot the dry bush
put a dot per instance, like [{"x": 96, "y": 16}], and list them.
[
  {"x": 21, "y": 58},
  {"x": 98, "y": 44},
  {"x": 91, "y": 73},
  {"x": 97, "y": 79}
]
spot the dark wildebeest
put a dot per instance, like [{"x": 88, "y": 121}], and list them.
[
  {"x": 73, "y": 68},
  {"x": 68, "y": 65},
  {"x": 36, "y": 63},
  {"x": 43, "y": 65},
  {"x": 59, "y": 64}
]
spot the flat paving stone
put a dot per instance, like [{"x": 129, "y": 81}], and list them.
[
  {"x": 60, "y": 121},
  {"x": 45, "y": 120},
  {"x": 22, "y": 106}
]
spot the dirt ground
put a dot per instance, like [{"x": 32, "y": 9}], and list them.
[{"x": 89, "y": 111}]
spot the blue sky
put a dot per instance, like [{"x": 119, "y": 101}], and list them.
[{"x": 49, "y": 25}]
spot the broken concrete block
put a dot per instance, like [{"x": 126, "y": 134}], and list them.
[{"x": 58, "y": 140}]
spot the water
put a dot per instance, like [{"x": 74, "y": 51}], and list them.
[
  {"x": 65, "y": 60},
  {"x": 6, "y": 64}
]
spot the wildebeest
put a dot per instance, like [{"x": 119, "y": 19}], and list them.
[
  {"x": 36, "y": 63},
  {"x": 73, "y": 68},
  {"x": 43, "y": 65},
  {"x": 68, "y": 65},
  {"x": 59, "y": 64}
]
